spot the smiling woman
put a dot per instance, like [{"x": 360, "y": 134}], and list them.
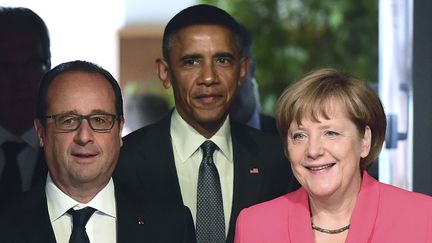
[{"x": 333, "y": 126}]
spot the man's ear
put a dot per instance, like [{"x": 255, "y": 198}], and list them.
[
  {"x": 244, "y": 68},
  {"x": 163, "y": 72},
  {"x": 40, "y": 131}
]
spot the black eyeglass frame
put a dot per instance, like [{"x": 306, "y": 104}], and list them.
[{"x": 85, "y": 117}]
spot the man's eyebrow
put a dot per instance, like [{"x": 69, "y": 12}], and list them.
[
  {"x": 224, "y": 54},
  {"x": 190, "y": 56},
  {"x": 75, "y": 112},
  {"x": 99, "y": 111}
]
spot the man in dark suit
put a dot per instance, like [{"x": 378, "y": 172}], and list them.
[
  {"x": 79, "y": 123},
  {"x": 24, "y": 57},
  {"x": 169, "y": 160}
]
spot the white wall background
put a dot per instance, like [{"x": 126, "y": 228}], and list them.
[
  {"x": 87, "y": 29},
  {"x": 151, "y": 11}
]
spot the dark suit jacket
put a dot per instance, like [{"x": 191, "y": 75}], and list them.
[
  {"x": 27, "y": 220},
  {"x": 39, "y": 175},
  {"x": 268, "y": 123},
  {"x": 147, "y": 164}
]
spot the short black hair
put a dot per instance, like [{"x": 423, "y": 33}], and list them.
[
  {"x": 200, "y": 14},
  {"x": 84, "y": 66},
  {"x": 19, "y": 17}
]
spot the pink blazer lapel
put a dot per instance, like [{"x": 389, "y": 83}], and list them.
[
  {"x": 365, "y": 212},
  {"x": 299, "y": 223}
]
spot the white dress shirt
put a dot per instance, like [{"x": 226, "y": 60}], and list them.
[
  {"x": 27, "y": 158},
  {"x": 101, "y": 226},
  {"x": 186, "y": 142}
]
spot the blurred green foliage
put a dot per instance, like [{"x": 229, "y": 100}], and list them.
[{"x": 292, "y": 37}]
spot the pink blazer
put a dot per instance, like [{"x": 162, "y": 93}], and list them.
[{"x": 382, "y": 214}]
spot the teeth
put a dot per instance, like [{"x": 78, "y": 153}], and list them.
[{"x": 321, "y": 167}]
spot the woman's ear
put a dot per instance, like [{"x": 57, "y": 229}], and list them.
[{"x": 366, "y": 142}]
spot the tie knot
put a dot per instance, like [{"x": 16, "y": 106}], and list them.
[
  {"x": 208, "y": 148},
  {"x": 80, "y": 217},
  {"x": 12, "y": 148}
]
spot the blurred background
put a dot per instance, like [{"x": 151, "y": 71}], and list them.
[{"x": 385, "y": 42}]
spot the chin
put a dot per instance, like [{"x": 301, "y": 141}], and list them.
[
  {"x": 210, "y": 117},
  {"x": 323, "y": 190}
]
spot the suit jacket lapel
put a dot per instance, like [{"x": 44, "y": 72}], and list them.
[
  {"x": 41, "y": 169},
  {"x": 35, "y": 217},
  {"x": 159, "y": 158},
  {"x": 130, "y": 221},
  {"x": 368, "y": 200},
  {"x": 247, "y": 179}
]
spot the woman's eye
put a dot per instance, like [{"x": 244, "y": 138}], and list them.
[
  {"x": 331, "y": 133},
  {"x": 298, "y": 136}
]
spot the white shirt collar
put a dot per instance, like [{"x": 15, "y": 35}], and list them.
[
  {"x": 59, "y": 202},
  {"x": 186, "y": 140}
]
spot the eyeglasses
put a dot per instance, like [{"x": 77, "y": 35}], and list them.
[{"x": 97, "y": 122}]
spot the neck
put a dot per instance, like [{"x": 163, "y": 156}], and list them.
[
  {"x": 206, "y": 129},
  {"x": 334, "y": 216},
  {"x": 334, "y": 211}
]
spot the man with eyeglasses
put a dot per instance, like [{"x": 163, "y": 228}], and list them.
[
  {"x": 24, "y": 57},
  {"x": 79, "y": 124}
]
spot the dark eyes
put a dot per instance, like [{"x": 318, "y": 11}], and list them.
[
  {"x": 190, "y": 61},
  {"x": 224, "y": 60},
  {"x": 67, "y": 119},
  {"x": 101, "y": 119}
]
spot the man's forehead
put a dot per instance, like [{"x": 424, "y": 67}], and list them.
[{"x": 191, "y": 38}]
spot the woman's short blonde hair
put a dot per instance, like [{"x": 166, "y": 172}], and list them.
[{"x": 312, "y": 95}]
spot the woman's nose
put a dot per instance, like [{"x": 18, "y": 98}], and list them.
[{"x": 315, "y": 147}]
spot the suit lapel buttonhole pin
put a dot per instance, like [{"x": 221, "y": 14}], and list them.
[{"x": 254, "y": 170}]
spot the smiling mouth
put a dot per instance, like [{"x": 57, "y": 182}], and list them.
[{"x": 321, "y": 167}]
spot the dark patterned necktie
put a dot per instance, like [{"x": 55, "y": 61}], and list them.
[
  {"x": 210, "y": 223},
  {"x": 11, "y": 177},
  {"x": 80, "y": 218}
]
